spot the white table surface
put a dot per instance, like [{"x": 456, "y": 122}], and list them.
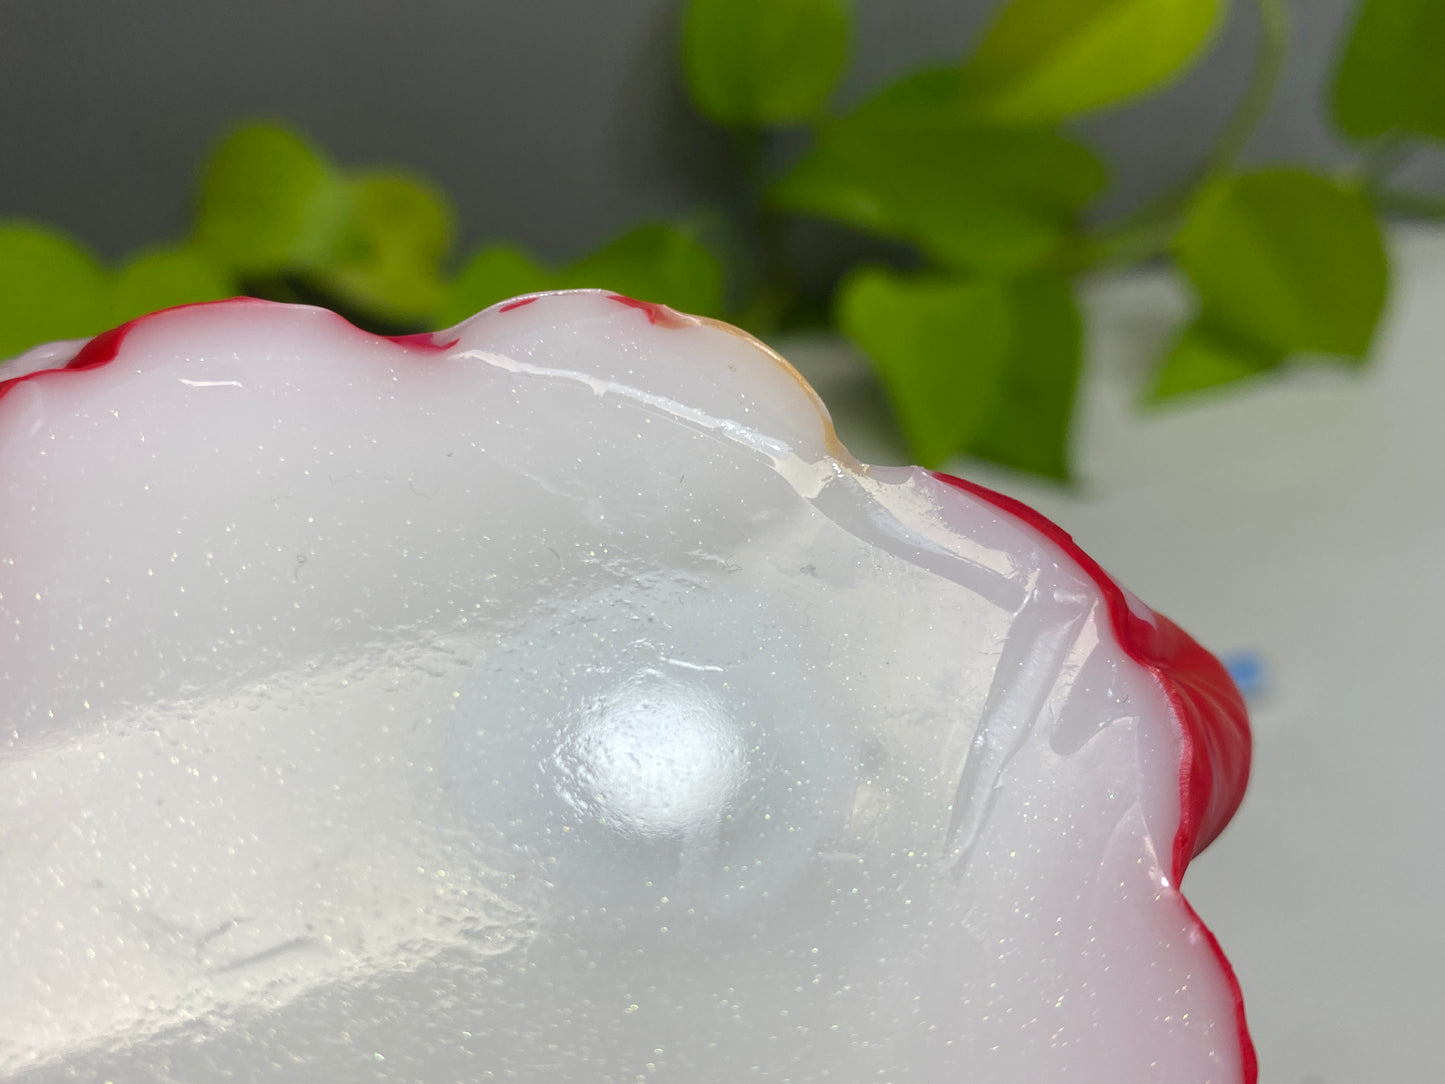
[{"x": 1305, "y": 520}]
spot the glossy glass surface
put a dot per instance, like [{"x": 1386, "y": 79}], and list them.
[{"x": 555, "y": 700}]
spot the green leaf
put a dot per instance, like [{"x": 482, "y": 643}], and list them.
[
  {"x": 493, "y": 274},
  {"x": 1029, "y": 428},
  {"x": 940, "y": 346},
  {"x": 1204, "y": 358},
  {"x": 387, "y": 254},
  {"x": 268, "y": 202},
  {"x": 166, "y": 277},
  {"x": 655, "y": 262},
  {"x": 1289, "y": 260},
  {"x": 823, "y": 184},
  {"x": 760, "y": 62},
  {"x": 974, "y": 366},
  {"x": 913, "y": 165},
  {"x": 1045, "y": 60},
  {"x": 50, "y": 288},
  {"x": 926, "y": 92},
  {"x": 1391, "y": 78}
]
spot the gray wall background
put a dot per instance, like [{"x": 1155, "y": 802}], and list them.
[{"x": 553, "y": 122}]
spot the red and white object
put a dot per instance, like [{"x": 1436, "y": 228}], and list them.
[{"x": 555, "y": 698}]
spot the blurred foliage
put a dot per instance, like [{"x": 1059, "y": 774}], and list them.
[
  {"x": 965, "y": 171},
  {"x": 1288, "y": 260},
  {"x": 273, "y": 212},
  {"x": 760, "y": 62},
  {"x": 1391, "y": 80},
  {"x": 984, "y": 363},
  {"x": 1043, "y": 61},
  {"x": 50, "y": 288},
  {"x": 913, "y": 164},
  {"x": 665, "y": 262}
]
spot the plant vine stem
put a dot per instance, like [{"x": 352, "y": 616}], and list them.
[
  {"x": 1269, "y": 65},
  {"x": 1147, "y": 233},
  {"x": 1380, "y": 160},
  {"x": 1410, "y": 204},
  {"x": 777, "y": 292},
  {"x": 748, "y": 151}
]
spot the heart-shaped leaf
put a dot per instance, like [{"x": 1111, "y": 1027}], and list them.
[
  {"x": 972, "y": 366},
  {"x": 1289, "y": 260}
]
